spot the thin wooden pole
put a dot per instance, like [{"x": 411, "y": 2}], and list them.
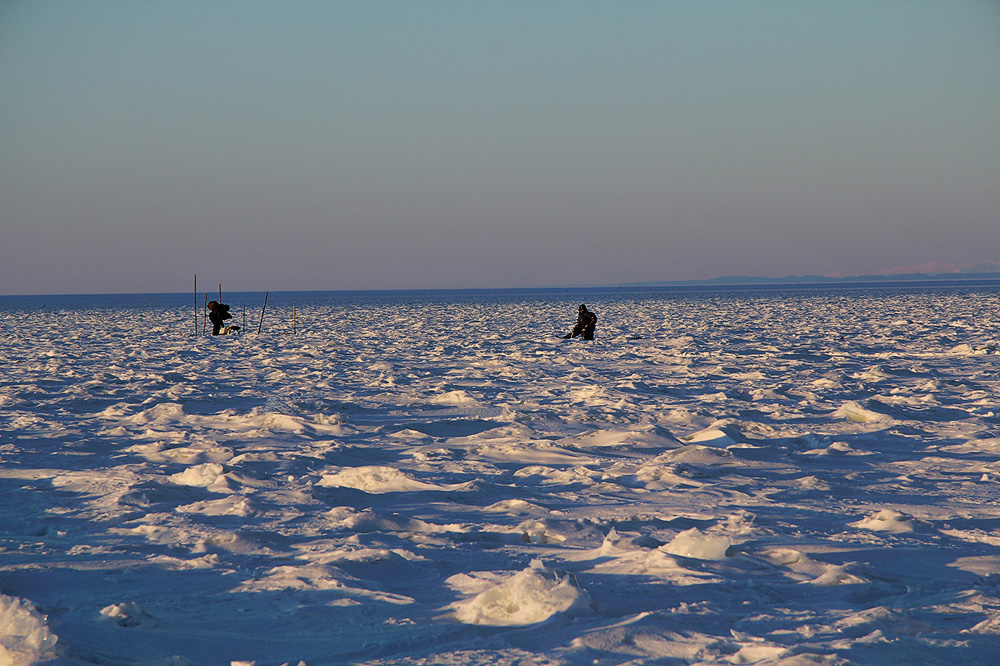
[
  {"x": 244, "y": 320},
  {"x": 262, "y": 313},
  {"x": 196, "y": 304},
  {"x": 293, "y": 320},
  {"x": 204, "y": 316}
]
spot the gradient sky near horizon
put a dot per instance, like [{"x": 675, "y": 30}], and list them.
[{"x": 431, "y": 144}]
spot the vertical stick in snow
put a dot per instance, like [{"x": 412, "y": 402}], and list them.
[{"x": 262, "y": 313}]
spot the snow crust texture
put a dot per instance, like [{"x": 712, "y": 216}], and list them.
[{"x": 790, "y": 477}]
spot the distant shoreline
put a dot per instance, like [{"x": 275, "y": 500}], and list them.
[{"x": 805, "y": 280}]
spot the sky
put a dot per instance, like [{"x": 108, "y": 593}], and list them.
[{"x": 446, "y": 144}]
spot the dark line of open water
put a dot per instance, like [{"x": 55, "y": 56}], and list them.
[{"x": 280, "y": 299}]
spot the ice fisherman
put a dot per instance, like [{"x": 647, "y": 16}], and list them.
[
  {"x": 218, "y": 313},
  {"x": 586, "y": 322}
]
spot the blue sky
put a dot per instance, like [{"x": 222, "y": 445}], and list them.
[{"x": 388, "y": 145}]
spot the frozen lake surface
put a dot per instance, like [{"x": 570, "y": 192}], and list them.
[{"x": 761, "y": 476}]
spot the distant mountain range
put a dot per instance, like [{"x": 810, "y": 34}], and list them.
[{"x": 924, "y": 272}]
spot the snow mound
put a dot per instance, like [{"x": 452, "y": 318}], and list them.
[
  {"x": 530, "y": 596},
  {"x": 376, "y": 479},
  {"x": 199, "y": 475},
  {"x": 693, "y": 543},
  {"x": 455, "y": 398},
  {"x": 839, "y": 575},
  {"x": 648, "y": 437},
  {"x": 715, "y": 437},
  {"x": 24, "y": 637},
  {"x": 127, "y": 614},
  {"x": 889, "y": 520},
  {"x": 852, "y": 411},
  {"x": 696, "y": 454},
  {"x": 159, "y": 414}
]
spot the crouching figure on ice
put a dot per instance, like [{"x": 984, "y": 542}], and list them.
[
  {"x": 218, "y": 313},
  {"x": 586, "y": 322}
]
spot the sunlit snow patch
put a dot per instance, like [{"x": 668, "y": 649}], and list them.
[
  {"x": 163, "y": 413},
  {"x": 531, "y": 596},
  {"x": 852, "y": 411},
  {"x": 695, "y": 454},
  {"x": 378, "y": 479},
  {"x": 839, "y": 575},
  {"x": 715, "y": 437},
  {"x": 455, "y": 398},
  {"x": 636, "y": 438},
  {"x": 889, "y": 520},
  {"x": 198, "y": 475},
  {"x": 693, "y": 543}
]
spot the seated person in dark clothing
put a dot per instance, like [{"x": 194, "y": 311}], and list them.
[
  {"x": 218, "y": 313},
  {"x": 586, "y": 321}
]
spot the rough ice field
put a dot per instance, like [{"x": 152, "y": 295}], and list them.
[{"x": 733, "y": 478}]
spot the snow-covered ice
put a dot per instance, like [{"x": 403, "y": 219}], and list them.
[{"x": 796, "y": 477}]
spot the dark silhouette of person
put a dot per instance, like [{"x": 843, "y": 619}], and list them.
[
  {"x": 586, "y": 322},
  {"x": 218, "y": 313}
]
